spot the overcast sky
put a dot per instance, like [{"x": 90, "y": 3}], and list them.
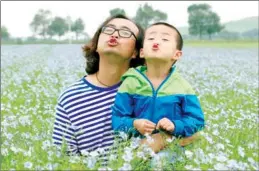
[{"x": 17, "y": 15}]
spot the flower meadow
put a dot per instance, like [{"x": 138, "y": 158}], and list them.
[{"x": 225, "y": 80}]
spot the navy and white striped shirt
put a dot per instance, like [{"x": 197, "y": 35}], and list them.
[{"x": 83, "y": 117}]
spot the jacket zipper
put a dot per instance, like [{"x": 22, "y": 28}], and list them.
[{"x": 156, "y": 91}]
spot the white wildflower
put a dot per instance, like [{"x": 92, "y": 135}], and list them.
[
  {"x": 93, "y": 154},
  {"x": 14, "y": 149},
  {"x": 251, "y": 145},
  {"x": 28, "y": 153},
  {"x": 188, "y": 167},
  {"x": 91, "y": 161},
  {"x": 169, "y": 140},
  {"x": 135, "y": 142},
  {"x": 8, "y": 136},
  {"x": 85, "y": 152},
  {"x": 150, "y": 140},
  {"x": 232, "y": 164},
  {"x": 28, "y": 165},
  {"x": 4, "y": 151},
  {"x": 188, "y": 154},
  {"x": 220, "y": 146},
  {"x": 100, "y": 150},
  {"x": 45, "y": 144},
  {"x": 221, "y": 158},
  {"x": 215, "y": 132},
  {"x": 209, "y": 139},
  {"x": 123, "y": 135},
  {"x": 127, "y": 156},
  {"x": 49, "y": 166},
  {"x": 112, "y": 157},
  {"x": 104, "y": 169},
  {"x": 241, "y": 151},
  {"x": 126, "y": 166},
  {"x": 220, "y": 166},
  {"x": 140, "y": 154},
  {"x": 74, "y": 159},
  {"x": 251, "y": 160}
]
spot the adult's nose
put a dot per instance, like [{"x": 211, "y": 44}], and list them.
[{"x": 115, "y": 34}]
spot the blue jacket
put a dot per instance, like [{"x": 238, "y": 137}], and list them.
[{"x": 174, "y": 99}]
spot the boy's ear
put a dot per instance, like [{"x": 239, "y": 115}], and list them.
[
  {"x": 141, "y": 53},
  {"x": 177, "y": 55}
]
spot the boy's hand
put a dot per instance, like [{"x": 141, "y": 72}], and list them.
[
  {"x": 165, "y": 124},
  {"x": 144, "y": 126}
]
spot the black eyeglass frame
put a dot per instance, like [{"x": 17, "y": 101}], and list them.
[{"x": 131, "y": 33}]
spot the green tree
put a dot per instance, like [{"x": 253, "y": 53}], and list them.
[
  {"x": 202, "y": 20},
  {"x": 251, "y": 34},
  {"x": 50, "y": 31},
  {"x": 58, "y": 27},
  {"x": 198, "y": 18},
  {"x": 5, "y": 35},
  {"x": 35, "y": 24},
  {"x": 146, "y": 15},
  {"x": 78, "y": 27},
  {"x": 228, "y": 35},
  {"x": 40, "y": 22},
  {"x": 116, "y": 11},
  {"x": 213, "y": 24},
  {"x": 86, "y": 36}
]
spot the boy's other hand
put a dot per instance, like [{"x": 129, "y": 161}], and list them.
[
  {"x": 144, "y": 126},
  {"x": 165, "y": 124}
]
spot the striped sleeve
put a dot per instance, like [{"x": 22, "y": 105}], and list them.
[{"x": 63, "y": 132}]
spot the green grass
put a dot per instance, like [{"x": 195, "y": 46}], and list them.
[
  {"x": 222, "y": 44},
  {"x": 230, "y": 113},
  {"x": 187, "y": 43}
]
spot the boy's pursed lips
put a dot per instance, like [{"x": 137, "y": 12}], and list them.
[{"x": 155, "y": 47}]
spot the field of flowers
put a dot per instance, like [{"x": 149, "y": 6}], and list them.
[{"x": 33, "y": 76}]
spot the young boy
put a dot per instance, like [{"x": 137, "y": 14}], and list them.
[{"x": 155, "y": 96}]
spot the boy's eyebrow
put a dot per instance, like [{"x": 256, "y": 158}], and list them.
[
  {"x": 153, "y": 32},
  {"x": 164, "y": 33}
]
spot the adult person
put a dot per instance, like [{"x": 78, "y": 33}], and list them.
[{"x": 83, "y": 112}]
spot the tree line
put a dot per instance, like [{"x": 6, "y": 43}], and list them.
[
  {"x": 43, "y": 25},
  {"x": 202, "y": 22}
]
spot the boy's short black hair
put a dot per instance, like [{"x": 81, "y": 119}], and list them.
[{"x": 179, "y": 39}]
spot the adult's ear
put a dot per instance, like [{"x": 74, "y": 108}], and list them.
[
  {"x": 141, "y": 53},
  {"x": 135, "y": 53}
]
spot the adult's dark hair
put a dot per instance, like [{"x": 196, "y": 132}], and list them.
[
  {"x": 179, "y": 39},
  {"x": 92, "y": 57}
]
